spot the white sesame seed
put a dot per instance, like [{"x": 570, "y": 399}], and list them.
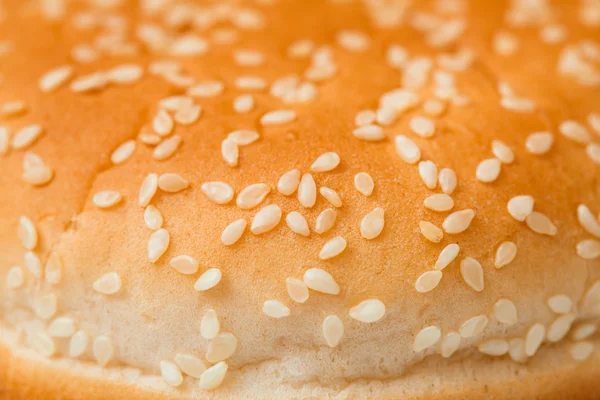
[
  {"x": 364, "y": 117},
  {"x": 584, "y": 331},
  {"x": 248, "y": 58},
  {"x": 44, "y": 344},
  {"x": 167, "y": 148},
  {"x": 588, "y": 249},
  {"x": 372, "y": 224},
  {"x": 78, "y": 344},
  {"x": 428, "y": 281},
  {"x": 447, "y": 180},
  {"x": 174, "y": 103},
  {"x": 494, "y": 347},
  {"x": 331, "y": 196},
  {"x": 171, "y": 373},
  {"x": 450, "y": 343},
  {"x": 581, "y": 351},
  {"x": 243, "y": 137},
  {"x": 353, "y": 41},
  {"x": 428, "y": 173},
  {"x": 434, "y": 107},
  {"x": 325, "y": 221},
  {"x": 505, "y": 254},
  {"x": 213, "y": 376},
  {"x": 172, "y": 183},
  {"x": 591, "y": 300},
  {"x": 332, "y": 248},
  {"x": 252, "y": 195},
  {"x": 506, "y": 312},
  {"x": 333, "y": 330},
  {"x": 458, "y": 221},
  {"x": 266, "y": 219},
  {"x": 520, "y": 207},
  {"x": 106, "y": 198},
  {"x": 148, "y": 189},
  {"x": 517, "y": 104},
  {"x": 502, "y": 152},
  {"x": 431, "y": 232},
  {"x": 243, "y": 103},
  {"x": 123, "y": 152},
  {"x": 14, "y": 277},
  {"x": 288, "y": 183},
  {"x": 396, "y": 56},
  {"x": 422, "y": 126},
  {"x": 321, "y": 281},
  {"x": 516, "y": 350},
  {"x": 277, "y": 117},
  {"x": 103, "y": 350},
  {"x": 184, "y": 264},
  {"x": 369, "y": 132},
  {"x": 275, "y": 309},
  {"x": 190, "y": 365},
  {"x": 588, "y": 221},
  {"x": 218, "y": 192},
  {"x": 593, "y": 152},
  {"x": 297, "y": 223},
  {"x": 559, "y": 328},
  {"x": 221, "y": 347},
  {"x": 560, "y": 303},
  {"x": 364, "y": 183},
  {"x": 401, "y": 99},
  {"x": 153, "y": 218},
  {"x": 439, "y": 202},
  {"x": 250, "y": 83},
  {"x": 553, "y": 34},
  {"x": 187, "y": 115},
  {"x": 300, "y": 48},
  {"x": 109, "y": 283},
  {"x": 447, "y": 255},
  {"x": 426, "y": 338},
  {"x": 575, "y": 131},
  {"x": 488, "y": 170},
  {"x": 307, "y": 191},
  {"x": 208, "y": 279},
  {"x": 26, "y": 136},
  {"x": 368, "y": 311},
  {"x": 61, "y": 327},
  {"x": 188, "y": 45},
  {"x": 3, "y": 140},
  {"x": 158, "y": 244},
  {"x": 297, "y": 290},
  {"x": 230, "y": 152},
  {"x": 534, "y": 338},
  {"x": 540, "y": 223},
  {"x": 233, "y": 232},
  {"x": 325, "y": 162},
  {"x": 539, "y": 142},
  {"x": 210, "y": 325},
  {"x": 33, "y": 264},
  {"x": 472, "y": 273},
  {"x": 408, "y": 150},
  {"x": 45, "y": 306},
  {"x": 386, "y": 116},
  {"x": 162, "y": 123},
  {"x": 206, "y": 89},
  {"x": 27, "y": 233},
  {"x": 505, "y": 43},
  {"x": 89, "y": 83},
  {"x": 124, "y": 74},
  {"x": 55, "y": 78},
  {"x": 474, "y": 326}
]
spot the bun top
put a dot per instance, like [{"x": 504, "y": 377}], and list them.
[{"x": 332, "y": 190}]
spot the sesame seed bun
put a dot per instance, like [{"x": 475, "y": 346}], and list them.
[{"x": 299, "y": 200}]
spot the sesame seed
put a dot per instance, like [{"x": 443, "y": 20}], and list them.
[
  {"x": 534, "y": 338},
  {"x": 102, "y": 350},
  {"x": 14, "y": 277},
  {"x": 540, "y": 223},
  {"x": 439, "y": 202},
  {"x": 506, "y": 312},
  {"x": 581, "y": 351},
  {"x": 505, "y": 43},
  {"x": 208, "y": 280},
  {"x": 124, "y": 74},
  {"x": 364, "y": 117},
  {"x": 55, "y": 78},
  {"x": 505, "y": 254},
  {"x": 559, "y": 328},
  {"x": 321, "y": 281},
  {"x": 520, "y": 207},
  {"x": 332, "y": 248},
  {"x": 333, "y": 330},
  {"x": 474, "y": 326},
  {"x": 206, "y": 89},
  {"x": 230, "y": 152},
  {"x": 591, "y": 300},
  {"x": 210, "y": 325},
  {"x": 472, "y": 273},
  {"x": 368, "y": 311},
  {"x": 167, "y": 148},
  {"x": 162, "y": 123},
  {"x": 428, "y": 173},
  {"x": 84, "y": 54},
  {"x": 153, "y": 218},
  {"x": 516, "y": 350},
  {"x": 3, "y": 140},
  {"x": 275, "y": 309},
  {"x": 364, "y": 183},
  {"x": 575, "y": 131},
  {"x": 331, "y": 196},
  {"x": 300, "y": 48},
  {"x": 252, "y": 195},
  {"x": 539, "y": 142},
  {"x": 447, "y": 255},
  {"x": 233, "y": 232},
  {"x": 560, "y": 304},
  {"x": 450, "y": 343},
  {"x": 584, "y": 331},
  {"x": 266, "y": 219},
  {"x": 297, "y": 223},
  {"x": 27, "y": 233},
  {"x": 148, "y": 189},
  {"x": 44, "y": 344},
  {"x": 45, "y": 306},
  {"x": 187, "y": 115},
  {"x": 109, "y": 283},
  {"x": 149, "y": 139},
  {"x": 184, "y": 264},
  {"x": 33, "y": 264},
  {"x": 488, "y": 170},
  {"x": 588, "y": 249},
  {"x": 458, "y": 221},
  {"x": 288, "y": 183},
  {"x": 61, "y": 327},
  {"x": 396, "y": 56},
  {"x": 502, "y": 152},
  {"x": 408, "y": 150},
  {"x": 217, "y": 192},
  {"x": 386, "y": 116},
  {"x": 172, "y": 183},
  {"x": 325, "y": 220},
  {"x": 325, "y": 162},
  {"x": 221, "y": 347},
  {"x": 297, "y": 290},
  {"x": 426, "y": 338},
  {"x": 243, "y": 137},
  {"x": 243, "y": 103},
  {"x": 372, "y": 224},
  {"x": 588, "y": 221},
  {"x": 422, "y": 126},
  {"x": 369, "y": 132},
  {"x": 494, "y": 347},
  {"x": 123, "y": 152},
  {"x": 171, "y": 373},
  {"x": 250, "y": 83},
  {"x": 434, "y": 107},
  {"x": 307, "y": 191},
  {"x": 190, "y": 365},
  {"x": 277, "y": 117},
  {"x": 401, "y": 99},
  {"x": 78, "y": 344},
  {"x": 431, "y": 232},
  {"x": 26, "y": 136},
  {"x": 89, "y": 83},
  {"x": 553, "y": 34},
  {"x": 428, "y": 281},
  {"x": 248, "y": 58},
  {"x": 188, "y": 45},
  {"x": 174, "y": 103},
  {"x": 594, "y": 121},
  {"x": 593, "y": 152},
  {"x": 106, "y": 198},
  {"x": 447, "y": 180},
  {"x": 158, "y": 244},
  {"x": 353, "y": 41},
  {"x": 213, "y": 376}
]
